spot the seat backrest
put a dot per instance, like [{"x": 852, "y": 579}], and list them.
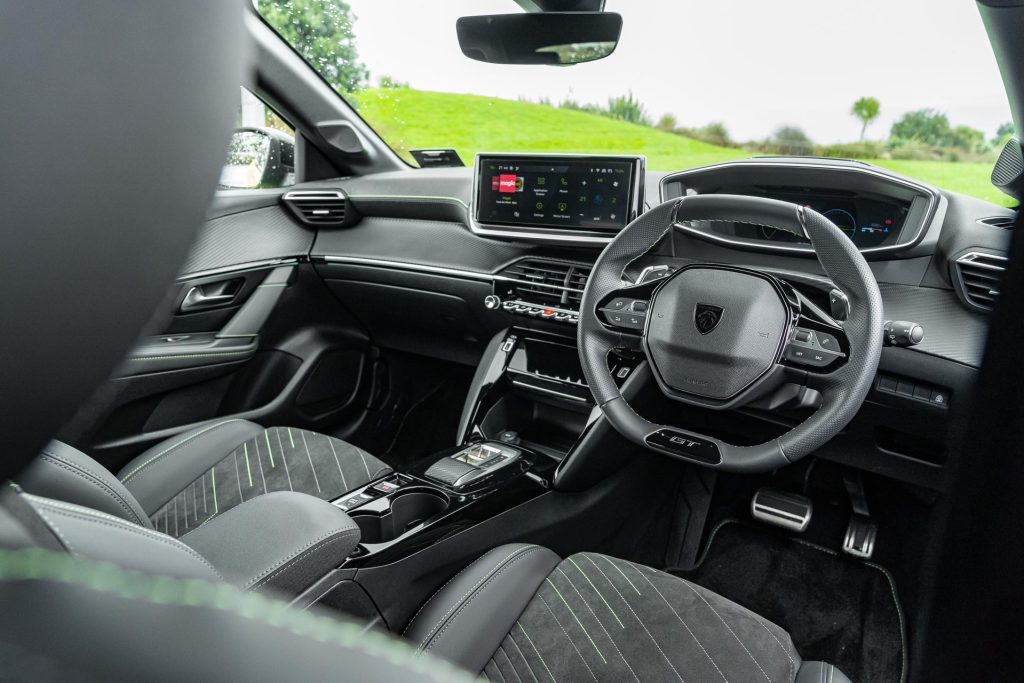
[{"x": 65, "y": 473}]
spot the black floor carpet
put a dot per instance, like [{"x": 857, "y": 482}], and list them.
[{"x": 837, "y": 609}]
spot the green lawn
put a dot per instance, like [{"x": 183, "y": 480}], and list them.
[{"x": 414, "y": 119}]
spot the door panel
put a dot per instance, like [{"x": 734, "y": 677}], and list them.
[{"x": 262, "y": 340}]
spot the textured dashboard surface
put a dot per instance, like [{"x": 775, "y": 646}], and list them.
[
  {"x": 246, "y": 237},
  {"x": 430, "y": 243},
  {"x": 950, "y": 330}
]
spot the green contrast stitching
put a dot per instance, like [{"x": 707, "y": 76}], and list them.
[
  {"x": 598, "y": 591},
  {"x": 42, "y": 565},
  {"x": 582, "y": 627},
  {"x": 541, "y": 657},
  {"x": 266, "y": 435},
  {"x": 171, "y": 448},
  {"x": 194, "y": 355},
  {"x": 248, "y": 470}
]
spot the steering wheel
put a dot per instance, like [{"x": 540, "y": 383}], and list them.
[{"x": 721, "y": 336}]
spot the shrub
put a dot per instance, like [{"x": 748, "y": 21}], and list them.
[{"x": 628, "y": 108}]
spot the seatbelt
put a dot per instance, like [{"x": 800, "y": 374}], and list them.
[{"x": 14, "y": 503}]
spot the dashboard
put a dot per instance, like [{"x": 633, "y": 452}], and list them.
[{"x": 436, "y": 263}]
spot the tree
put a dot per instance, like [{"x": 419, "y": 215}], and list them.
[
  {"x": 866, "y": 109},
  {"x": 1002, "y": 133},
  {"x": 666, "y": 122},
  {"x": 321, "y": 31},
  {"x": 968, "y": 139},
  {"x": 924, "y": 125},
  {"x": 791, "y": 140}
]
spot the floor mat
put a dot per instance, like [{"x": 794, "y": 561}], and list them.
[{"x": 837, "y": 609}]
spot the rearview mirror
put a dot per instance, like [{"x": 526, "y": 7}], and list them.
[
  {"x": 558, "y": 38},
  {"x": 259, "y": 158}
]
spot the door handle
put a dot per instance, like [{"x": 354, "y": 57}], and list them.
[{"x": 210, "y": 295}]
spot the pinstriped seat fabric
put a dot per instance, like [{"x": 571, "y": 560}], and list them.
[
  {"x": 188, "y": 480},
  {"x": 603, "y": 619}
]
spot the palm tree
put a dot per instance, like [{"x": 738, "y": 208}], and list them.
[{"x": 866, "y": 109}]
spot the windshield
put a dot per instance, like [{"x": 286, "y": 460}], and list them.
[{"x": 911, "y": 86}]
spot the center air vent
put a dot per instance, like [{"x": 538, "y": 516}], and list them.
[
  {"x": 320, "y": 208},
  {"x": 1004, "y": 222},
  {"x": 538, "y": 287},
  {"x": 978, "y": 277}
]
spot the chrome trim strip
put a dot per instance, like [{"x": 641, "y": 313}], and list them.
[
  {"x": 971, "y": 258},
  {"x": 299, "y": 195},
  {"x": 238, "y": 268},
  {"x": 552, "y": 392},
  {"x": 930, "y": 193},
  {"x": 416, "y": 267},
  {"x": 408, "y": 198}
]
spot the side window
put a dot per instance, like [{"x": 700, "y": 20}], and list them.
[{"x": 262, "y": 149}]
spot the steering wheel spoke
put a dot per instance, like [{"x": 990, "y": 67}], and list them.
[{"x": 721, "y": 336}]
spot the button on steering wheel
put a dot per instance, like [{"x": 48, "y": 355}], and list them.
[{"x": 721, "y": 336}]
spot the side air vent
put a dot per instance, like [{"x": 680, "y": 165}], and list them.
[
  {"x": 542, "y": 288},
  {"x": 978, "y": 277},
  {"x": 320, "y": 208},
  {"x": 1004, "y": 222}
]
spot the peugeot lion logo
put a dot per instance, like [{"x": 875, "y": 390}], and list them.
[{"x": 706, "y": 317}]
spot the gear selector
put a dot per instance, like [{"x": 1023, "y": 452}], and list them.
[{"x": 473, "y": 464}]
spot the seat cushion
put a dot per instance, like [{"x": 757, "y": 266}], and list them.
[
  {"x": 185, "y": 481},
  {"x": 593, "y": 617}
]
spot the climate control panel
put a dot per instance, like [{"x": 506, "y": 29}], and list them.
[{"x": 533, "y": 310}]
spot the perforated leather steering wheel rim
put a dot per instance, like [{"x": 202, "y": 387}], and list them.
[{"x": 843, "y": 391}]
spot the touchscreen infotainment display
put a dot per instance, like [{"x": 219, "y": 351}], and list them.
[{"x": 582, "y": 193}]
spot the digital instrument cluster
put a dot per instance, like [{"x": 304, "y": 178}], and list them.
[{"x": 868, "y": 222}]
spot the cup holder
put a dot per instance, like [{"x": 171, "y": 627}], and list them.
[{"x": 409, "y": 508}]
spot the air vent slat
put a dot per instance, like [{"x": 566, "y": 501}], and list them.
[
  {"x": 1003, "y": 222},
  {"x": 546, "y": 283},
  {"x": 322, "y": 208},
  {"x": 979, "y": 278}
]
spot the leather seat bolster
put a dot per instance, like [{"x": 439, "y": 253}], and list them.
[
  {"x": 282, "y": 541},
  {"x": 820, "y": 672},
  {"x": 98, "y": 536},
  {"x": 168, "y": 467},
  {"x": 65, "y": 473},
  {"x": 466, "y": 620}
]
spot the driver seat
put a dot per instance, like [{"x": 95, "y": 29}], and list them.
[{"x": 521, "y": 613}]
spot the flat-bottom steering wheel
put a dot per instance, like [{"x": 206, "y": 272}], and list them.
[{"x": 721, "y": 336}]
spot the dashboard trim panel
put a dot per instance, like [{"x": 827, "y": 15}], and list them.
[
  {"x": 402, "y": 265},
  {"x": 929, "y": 213}
]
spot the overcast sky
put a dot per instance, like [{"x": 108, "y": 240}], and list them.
[{"x": 754, "y": 64}]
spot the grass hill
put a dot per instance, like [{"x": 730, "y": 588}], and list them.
[{"x": 414, "y": 119}]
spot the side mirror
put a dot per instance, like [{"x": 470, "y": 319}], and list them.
[
  {"x": 259, "y": 158},
  {"x": 557, "y": 38}
]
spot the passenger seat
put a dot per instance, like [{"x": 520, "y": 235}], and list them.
[{"x": 183, "y": 482}]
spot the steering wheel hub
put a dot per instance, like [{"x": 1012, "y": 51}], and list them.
[{"x": 715, "y": 331}]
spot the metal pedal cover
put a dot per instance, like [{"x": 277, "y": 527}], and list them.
[
  {"x": 860, "y": 537},
  {"x": 788, "y": 510}
]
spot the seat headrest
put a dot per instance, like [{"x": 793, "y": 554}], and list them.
[{"x": 115, "y": 120}]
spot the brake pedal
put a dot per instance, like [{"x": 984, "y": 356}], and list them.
[
  {"x": 787, "y": 510},
  {"x": 860, "y": 537}
]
